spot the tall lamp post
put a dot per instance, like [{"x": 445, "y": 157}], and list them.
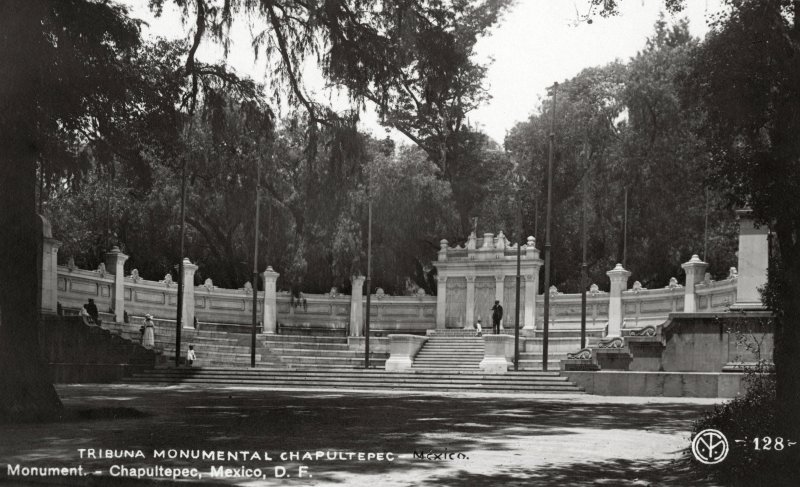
[
  {"x": 547, "y": 233},
  {"x": 584, "y": 273},
  {"x": 179, "y": 313},
  {"x": 369, "y": 276},
  {"x": 519, "y": 262},
  {"x": 255, "y": 272}
]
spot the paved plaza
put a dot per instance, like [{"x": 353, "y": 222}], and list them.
[{"x": 460, "y": 439}]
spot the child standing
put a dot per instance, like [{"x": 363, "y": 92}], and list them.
[{"x": 190, "y": 356}]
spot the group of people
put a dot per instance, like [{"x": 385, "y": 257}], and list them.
[
  {"x": 149, "y": 338},
  {"x": 91, "y": 316},
  {"x": 497, "y": 316}
]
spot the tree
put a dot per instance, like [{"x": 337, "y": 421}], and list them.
[
  {"x": 624, "y": 126},
  {"x": 746, "y": 76},
  {"x": 60, "y": 58}
]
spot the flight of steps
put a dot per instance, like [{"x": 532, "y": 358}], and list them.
[
  {"x": 450, "y": 351},
  {"x": 362, "y": 379},
  {"x": 306, "y": 351},
  {"x": 213, "y": 348}
]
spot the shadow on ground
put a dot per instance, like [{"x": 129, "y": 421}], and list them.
[{"x": 281, "y": 421}]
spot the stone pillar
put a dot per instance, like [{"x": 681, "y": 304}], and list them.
[
  {"x": 695, "y": 269},
  {"x": 531, "y": 282},
  {"x": 270, "y": 305},
  {"x": 188, "y": 293},
  {"x": 469, "y": 317},
  {"x": 357, "y": 306},
  {"x": 48, "y": 270},
  {"x": 619, "y": 282},
  {"x": 497, "y": 349},
  {"x": 499, "y": 284},
  {"x": 115, "y": 264},
  {"x": 752, "y": 263},
  {"x": 441, "y": 302}
]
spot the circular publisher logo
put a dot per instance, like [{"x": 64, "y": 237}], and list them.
[{"x": 710, "y": 446}]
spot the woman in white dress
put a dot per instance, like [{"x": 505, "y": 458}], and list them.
[{"x": 149, "y": 336}]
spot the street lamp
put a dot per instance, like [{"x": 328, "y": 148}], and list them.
[
  {"x": 584, "y": 273},
  {"x": 518, "y": 180},
  {"x": 181, "y": 284},
  {"x": 255, "y": 271},
  {"x": 369, "y": 276},
  {"x": 547, "y": 233}
]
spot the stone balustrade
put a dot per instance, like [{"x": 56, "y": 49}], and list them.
[
  {"x": 470, "y": 279},
  {"x": 402, "y": 350}
]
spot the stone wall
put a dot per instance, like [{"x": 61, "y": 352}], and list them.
[
  {"x": 390, "y": 314},
  {"x": 89, "y": 354}
]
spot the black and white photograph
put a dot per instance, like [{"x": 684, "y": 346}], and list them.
[{"x": 456, "y": 243}]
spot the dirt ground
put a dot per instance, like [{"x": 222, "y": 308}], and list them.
[{"x": 249, "y": 436}]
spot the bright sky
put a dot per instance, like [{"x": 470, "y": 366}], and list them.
[{"x": 538, "y": 42}]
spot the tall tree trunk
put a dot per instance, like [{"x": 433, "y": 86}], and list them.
[
  {"x": 787, "y": 332},
  {"x": 26, "y": 390}
]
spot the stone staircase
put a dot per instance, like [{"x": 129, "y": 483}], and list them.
[
  {"x": 361, "y": 379},
  {"x": 307, "y": 351},
  {"x": 213, "y": 348},
  {"x": 450, "y": 351}
]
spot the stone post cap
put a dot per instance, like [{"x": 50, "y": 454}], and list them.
[
  {"x": 618, "y": 271},
  {"x": 443, "y": 244},
  {"x": 358, "y": 277},
  {"x": 187, "y": 265},
  {"x": 531, "y": 241},
  {"x": 694, "y": 262},
  {"x": 270, "y": 272},
  {"x": 116, "y": 252}
]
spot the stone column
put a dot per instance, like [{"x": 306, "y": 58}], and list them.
[
  {"x": 357, "y": 306},
  {"x": 48, "y": 270},
  {"x": 619, "y": 282},
  {"x": 270, "y": 305},
  {"x": 753, "y": 261},
  {"x": 531, "y": 282},
  {"x": 469, "y": 317},
  {"x": 499, "y": 284},
  {"x": 695, "y": 269},
  {"x": 188, "y": 293},
  {"x": 115, "y": 264},
  {"x": 441, "y": 302}
]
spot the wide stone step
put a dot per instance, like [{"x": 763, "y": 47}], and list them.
[
  {"x": 433, "y": 353},
  {"x": 336, "y": 372},
  {"x": 288, "y": 352},
  {"x": 363, "y": 377},
  {"x": 331, "y": 360},
  {"x": 362, "y": 380},
  {"x": 438, "y": 387},
  {"x": 314, "y": 347}
]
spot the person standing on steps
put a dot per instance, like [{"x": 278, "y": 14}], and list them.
[
  {"x": 497, "y": 315},
  {"x": 149, "y": 335},
  {"x": 91, "y": 308},
  {"x": 190, "y": 356},
  {"x": 478, "y": 329}
]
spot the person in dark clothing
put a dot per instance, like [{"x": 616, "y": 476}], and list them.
[
  {"x": 91, "y": 308},
  {"x": 497, "y": 315}
]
